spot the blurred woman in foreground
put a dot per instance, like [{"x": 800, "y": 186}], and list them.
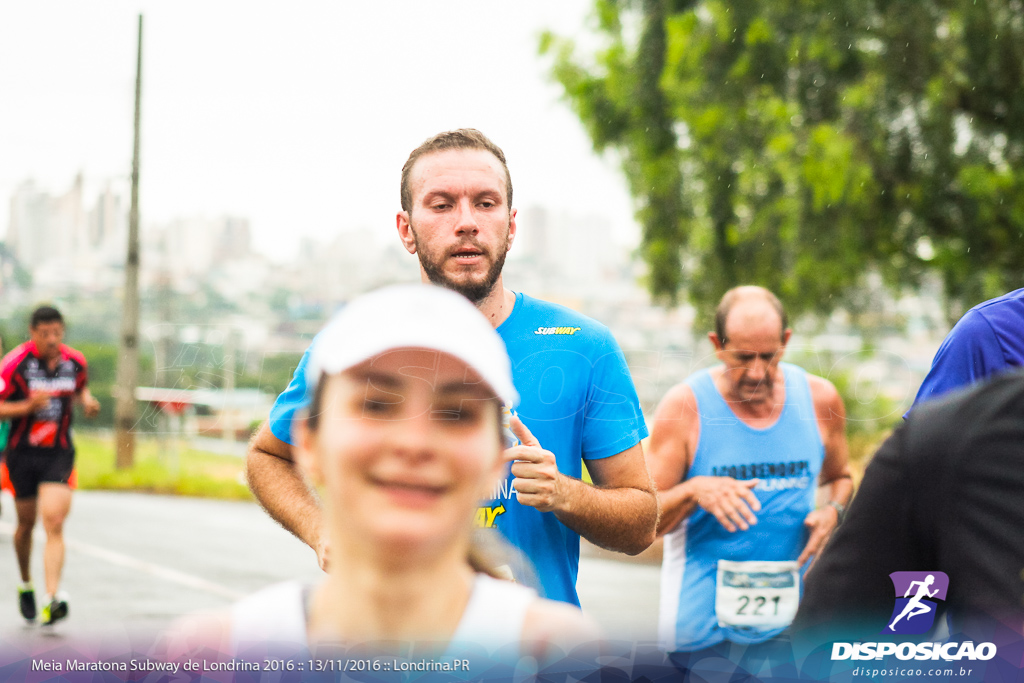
[{"x": 403, "y": 438}]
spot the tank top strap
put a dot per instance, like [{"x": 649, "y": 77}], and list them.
[
  {"x": 495, "y": 614},
  {"x": 711, "y": 406},
  {"x": 799, "y": 404},
  {"x": 276, "y": 614}
]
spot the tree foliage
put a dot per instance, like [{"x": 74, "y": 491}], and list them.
[{"x": 805, "y": 144}]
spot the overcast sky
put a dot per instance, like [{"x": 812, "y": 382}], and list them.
[{"x": 297, "y": 118}]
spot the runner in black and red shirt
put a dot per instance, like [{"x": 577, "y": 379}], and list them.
[{"x": 40, "y": 380}]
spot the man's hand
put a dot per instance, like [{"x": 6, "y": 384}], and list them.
[
  {"x": 37, "y": 400},
  {"x": 537, "y": 482},
  {"x": 323, "y": 547},
  {"x": 821, "y": 522},
  {"x": 90, "y": 405},
  {"x": 731, "y": 501}
]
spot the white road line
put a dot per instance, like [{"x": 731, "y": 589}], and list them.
[{"x": 121, "y": 560}]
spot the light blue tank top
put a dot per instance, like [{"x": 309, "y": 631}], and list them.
[{"x": 787, "y": 458}]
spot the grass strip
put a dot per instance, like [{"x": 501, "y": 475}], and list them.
[{"x": 191, "y": 473}]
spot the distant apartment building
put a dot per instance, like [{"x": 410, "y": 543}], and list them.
[
  {"x": 76, "y": 242},
  {"x": 572, "y": 253},
  {"x": 328, "y": 274},
  {"x": 63, "y": 241},
  {"x": 188, "y": 252}
]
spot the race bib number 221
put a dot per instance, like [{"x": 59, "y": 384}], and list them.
[{"x": 757, "y": 594}]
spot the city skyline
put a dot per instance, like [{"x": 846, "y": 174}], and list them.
[
  {"x": 299, "y": 122},
  {"x": 74, "y": 240}
]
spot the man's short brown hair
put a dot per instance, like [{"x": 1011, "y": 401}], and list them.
[{"x": 463, "y": 138}]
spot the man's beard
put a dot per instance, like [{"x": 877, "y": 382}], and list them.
[{"x": 474, "y": 290}]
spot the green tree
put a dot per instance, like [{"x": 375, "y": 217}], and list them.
[
  {"x": 102, "y": 361},
  {"x": 273, "y": 373},
  {"x": 804, "y": 145},
  {"x": 102, "y": 364}
]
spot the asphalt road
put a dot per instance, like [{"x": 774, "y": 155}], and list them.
[{"x": 136, "y": 562}]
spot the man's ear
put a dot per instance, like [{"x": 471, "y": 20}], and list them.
[
  {"x": 305, "y": 450},
  {"x": 405, "y": 232},
  {"x": 715, "y": 341},
  {"x": 511, "y": 228}
]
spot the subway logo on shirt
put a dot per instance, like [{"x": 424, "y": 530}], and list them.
[{"x": 557, "y": 330}]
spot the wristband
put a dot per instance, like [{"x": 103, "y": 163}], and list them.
[{"x": 840, "y": 510}]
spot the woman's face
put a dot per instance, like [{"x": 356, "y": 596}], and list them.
[{"x": 405, "y": 447}]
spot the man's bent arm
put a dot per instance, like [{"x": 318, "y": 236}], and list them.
[
  {"x": 668, "y": 455},
  {"x": 14, "y": 409},
  {"x": 620, "y": 512},
  {"x": 677, "y": 503},
  {"x": 674, "y": 435},
  {"x": 90, "y": 404},
  {"x": 835, "y": 468},
  {"x": 278, "y": 484}
]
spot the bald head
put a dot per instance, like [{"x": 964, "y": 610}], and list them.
[{"x": 748, "y": 306}]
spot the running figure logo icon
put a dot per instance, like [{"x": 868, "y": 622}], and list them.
[{"x": 917, "y": 596}]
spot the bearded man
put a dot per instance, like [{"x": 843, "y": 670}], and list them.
[{"x": 577, "y": 399}]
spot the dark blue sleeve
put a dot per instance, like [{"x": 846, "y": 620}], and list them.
[
  {"x": 291, "y": 399},
  {"x": 613, "y": 421},
  {"x": 969, "y": 353}
]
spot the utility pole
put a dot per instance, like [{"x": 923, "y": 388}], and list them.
[
  {"x": 128, "y": 358},
  {"x": 228, "y": 416},
  {"x": 167, "y": 421}
]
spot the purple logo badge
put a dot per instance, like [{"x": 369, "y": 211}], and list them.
[{"x": 917, "y": 596}]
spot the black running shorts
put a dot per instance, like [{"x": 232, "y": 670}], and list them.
[{"x": 27, "y": 470}]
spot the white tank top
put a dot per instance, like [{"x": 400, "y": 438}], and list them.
[{"x": 493, "y": 618}]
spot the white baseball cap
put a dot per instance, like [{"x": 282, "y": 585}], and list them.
[{"x": 412, "y": 316}]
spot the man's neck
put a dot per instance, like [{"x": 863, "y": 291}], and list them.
[
  {"x": 498, "y": 305},
  {"x": 50, "y": 362},
  {"x": 757, "y": 413}
]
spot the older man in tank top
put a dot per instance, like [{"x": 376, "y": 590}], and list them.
[{"x": 737, "y": 452}]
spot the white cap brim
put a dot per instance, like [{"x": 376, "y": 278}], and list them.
[{"x": 413, "y": 316}]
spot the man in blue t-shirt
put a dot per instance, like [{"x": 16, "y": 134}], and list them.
[
  {"x": 577, "y": 399},
  {"x": 988, "y": 340}
]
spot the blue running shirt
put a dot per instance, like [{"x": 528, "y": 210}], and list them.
[
  {"x": 576, "y": 397},
  {"x": 988, "y": 340}
]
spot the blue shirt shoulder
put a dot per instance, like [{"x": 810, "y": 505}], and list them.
[
  {"x": 577, "y": 398},
  {"x": 987, "y": 340},
  {"x": 569, "y": 369},
  {"x": 293, "y": 398}
]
